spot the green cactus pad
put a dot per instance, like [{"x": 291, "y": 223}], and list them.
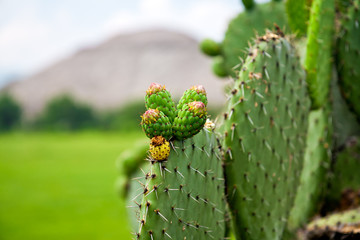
[
  {"x": 349, "y": 57},
  {"x": 318, "y": 61},
  {"x": 298, "y": 15},
  {"x": 183, "y": 198},
  {"x": 157, "y": 97},
  {"x": 244, "y": 27},
  {"x": 314, "y": 174},
  {"x": 155, "y": 123},
  {"x": 195, "y": 93},
  {"x": 265, "y": 135},
  {"x": 343, "y": 225},
  {"x": 345, "y": 173},
  {"x": 210, "y": 47},
  {"x": 190, "y": 120}
]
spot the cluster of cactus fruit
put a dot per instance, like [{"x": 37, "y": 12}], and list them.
[{"x": 285, "y": 151}]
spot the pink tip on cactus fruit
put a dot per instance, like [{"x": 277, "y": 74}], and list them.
[
  {"x": 198, "y": 108},
  {"x": 154, "y": 88},
  {"x": 198, "y": 89},
  {"x": 150, "y": 116}
]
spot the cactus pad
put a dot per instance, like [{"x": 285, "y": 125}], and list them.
[
  {"x": 265, "y": 134},
  {"x": 314, "y": 174},
  {"x": 157, "y": 97},
  {"x": 343, "y": 225},
  {"x": 190, "y": 120},
  {"x": 318, "y": 61},
  {"x": 345, "y": 172},
  {"x": 159, "y": 148},
  {"x": 244, "y": 27},
  {"x": 155, "y": 123},
  {"x": 349, "y": 56},
  {"x": 183, "y": 197}
]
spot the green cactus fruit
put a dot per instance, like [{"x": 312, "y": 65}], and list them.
[
  {"x": 318, "y": 61},
  {"x": 183, "y": 198},
  {"x": 195, "y": 93},
  {"x": 345, "y": 172},
  {"x": 155, "y": 123},
  {"x": 243, "y": 28},
  {"x": 218, "y": 67},
  {"x": 210, "y": 47},
  {"x": 265, "y": 135},
  {"x": 349, "y": 57},
  {"x": 157, "y": 97},
  {"x": 298, "y": 15},
  {"x": 190, "y": 120},
  {"x": 316, "y": 166},
  {"x": 343, "y": 225}
]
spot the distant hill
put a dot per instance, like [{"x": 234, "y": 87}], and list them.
[{"x": 121, "y": 69}]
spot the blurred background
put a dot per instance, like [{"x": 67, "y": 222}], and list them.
[{"x": 73, "y": 75}]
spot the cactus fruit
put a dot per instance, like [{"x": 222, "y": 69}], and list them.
[
  {"x": 159, "y": 148},
  {"x": 155, "y": 123},
  {"x": 157, "y": 97},
  {"x": 314, "y": 174},
  {"x": 183, "y": 197},
  {"x": 195, "y": 93},
  {"x": 242, "y": 29},
  {"x": 318, "y": 61},
  {"x": 190, "y": 120},
  {"x": 349, "y": 56},
  {"x": 343, "y": 225},
  {"x": 265, "y": 138}
]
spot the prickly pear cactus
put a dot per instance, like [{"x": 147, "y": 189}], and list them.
[
  {"x": 316, "y": 166},
  {"x": 242, "y": 29},
  {"x": 319, "y": 51},
  {"x": 183, "y": 198},
  {"x": 298, "y": 15},
  {"x": 343, "y": 225},
  {"x": 345, "y": 172},
  {"x": 265, "y": 135},
  {"x": 349, "y": 56}
]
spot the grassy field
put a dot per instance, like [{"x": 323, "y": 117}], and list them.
[{"x": 61, "y": 186}]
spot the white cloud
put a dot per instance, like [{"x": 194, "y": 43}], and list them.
[
  {"x": 29, "y": 40},
  {"x": 199, "y": 18}
]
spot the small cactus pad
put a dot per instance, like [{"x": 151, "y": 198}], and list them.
[
  {"x": 195, "y": 93},
  {"x": 345, "y": 173},
  {"x": 265, "y": 135},
  {"x": 155, "y": 123},
  {"x": 183, "y": 197},
  {"x": 314, "y": 174},
  {"x": 159, "y": 148},
  {"x": 190, "y": 120},
  {"x": 157, "y": 97},
  {"x": 343, "y": 225},
  {"x": 318, "y": 61},
  {"x": 349, "y": 56},
  {"x": 210, "y": 47}
]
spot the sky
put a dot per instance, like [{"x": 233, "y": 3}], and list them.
[{"x": 37, "y": 33}]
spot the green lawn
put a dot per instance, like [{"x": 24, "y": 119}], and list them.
[{"x": 61, "y": 186}]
